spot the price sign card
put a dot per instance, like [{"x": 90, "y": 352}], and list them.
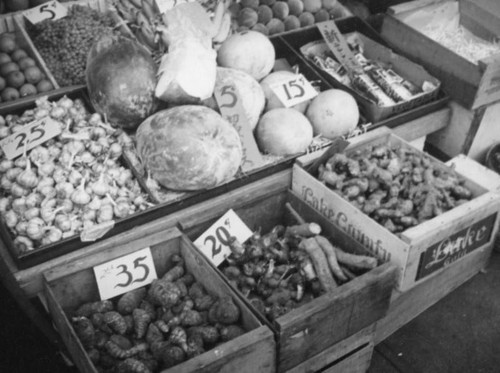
[
  {"x": 165, "y": 5},
  {"x": 124, "y": 274},
  {"x": 214, "y": 243},
  {"x": 30, "y": 136},
  {"x": 229, "y": 102},
  {"x": 338, "y": 45},
  {"x": 51, "y": 10},
  {"x": 293, "y": 91}
]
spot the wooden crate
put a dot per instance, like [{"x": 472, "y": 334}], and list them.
[
  {"x": 471, "y": 84},
  {"x": 412, "y": 251},
  {"x": 8, "y": 24},
  {"x": 102, "y": 6},
  {"x": 69, "y": 286},
  {"x": 319, "y": 325}
]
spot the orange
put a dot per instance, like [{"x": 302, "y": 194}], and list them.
[
  {"x": 33, "y": 74},
  {"x": 3, "y": 84},
  {"x": 247, "y": 17},
  {"x": 27, "y": 90},
  {"x": 8, "y": 67},
  {"x": 4, "y": 57},
  {"x": 18, "y": 54},
  {"x": 312, "y": 6},
  {"x": 15, "y": 79},
  {"x": 7, "y": 43},
  {"x": 26, "y": 62},
  {"x": 280, "y": 10},
  {"x": 10, "y": 94},
  {"x": 44, "y": 86}
]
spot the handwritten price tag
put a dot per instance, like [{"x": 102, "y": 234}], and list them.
[
  {"x": 338, "y": 45},
  {"x": 214, "y": 243},
  {"x": 51, "y": 10},
  {"x": 30, "y": 136},
  {"x": 165, "y": 5},
  {"x": 126, "y": 273},
  {"x": 294, "y": 91},
  {"x": 231, "y": 108}
]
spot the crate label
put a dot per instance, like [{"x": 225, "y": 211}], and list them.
[
  {"x": 231, "y": 108},
  {"x": 165, "y": 5},
  {"x": 30, "y": 136},
  {"x": 126, "y": 273},
  {"x": 338, "y": 45},
  {"x": 456, "y": 246},
  {"x": 293, "y": 91},
  {"x": 52, "y": 10},
  {"x": 214, "y": 243}
]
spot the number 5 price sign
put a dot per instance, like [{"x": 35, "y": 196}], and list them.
[
  {"x": 124, "y": 274},
  {"x": 214, "y": 243}
]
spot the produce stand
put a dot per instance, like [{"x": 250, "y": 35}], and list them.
[{"x": 336, "y": 332}]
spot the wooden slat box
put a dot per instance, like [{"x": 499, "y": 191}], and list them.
[
  {"x": 305, "y": 333},
  {"x": 8, "y": 24},
  {"x": 471, "y": 84},
  {"x": 69, "y": 286},
  {"x": 103, "y": 6},
  {"x": 418, "y": 251}
]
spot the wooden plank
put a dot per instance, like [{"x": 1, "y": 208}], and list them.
[
  {"x": 30, "y": 280},
  {"x": 423, "y": 126},
  {"x": 356, "y": 350},
  {"x": 409, "y": 304},
  {"x": 411, "y": 6}
]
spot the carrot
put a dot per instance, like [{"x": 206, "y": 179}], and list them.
[
  {"x": 355, "y": 261},
  {"x": 329, "y": 251},
  {"x": 311, "y": 247},
  {"x": 303, "y": 230}
]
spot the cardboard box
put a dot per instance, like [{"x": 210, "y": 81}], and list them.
[
  {"x": 65, "y": 290},
  {"x": 378, "y": 116},
  {"x": 422, "y": 251},
  {"x": 469, "y": 83}
]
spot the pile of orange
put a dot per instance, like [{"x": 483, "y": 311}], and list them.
[
  {"x": 276, "y": 16},
  {"x": 19, "y": 74}
]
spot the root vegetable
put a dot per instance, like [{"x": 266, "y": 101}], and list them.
[
  {"x": 303, "y": 230},
  {"x": 130, "y": 301},
  {"x": 331, "y": 256},
  {"x": 355, "y": 261},
  {"x": 318, "y": 258}
]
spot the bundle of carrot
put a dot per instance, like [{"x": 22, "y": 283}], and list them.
[{"x": 288, "y": 266}]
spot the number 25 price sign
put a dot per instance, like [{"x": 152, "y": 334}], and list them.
[
  {"x": 214, "y": 243},
  {"x": 124, "y": 274}
]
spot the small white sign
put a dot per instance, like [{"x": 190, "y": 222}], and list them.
[
  {"x": 124, "y": 274},
  {"x": 165, "y": 5},
  {"x": 30, "y": 136},
  {"x": 293, "y": 91},
  {"x": 214, "y": 243},
  {"x": 52, "y": 10}
]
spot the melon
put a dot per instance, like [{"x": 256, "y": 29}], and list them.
[
  {"x": 248, "y": 50},
  {"x": 333, "y": 113},
  {"x": 250, "y": 92},
  {"x": 283, "y": 131},
  {"x": 189, "y": 147},
  {"x": 272, "y": 101}
]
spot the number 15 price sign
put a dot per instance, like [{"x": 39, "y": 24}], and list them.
[{"x": 124, "y": 274}]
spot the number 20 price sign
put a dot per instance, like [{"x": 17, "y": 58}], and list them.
[
  {"x": 124, "y": 274},
  {"x": 214, "y": 243}
]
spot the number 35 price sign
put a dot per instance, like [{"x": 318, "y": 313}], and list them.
[
  {"x": 124, "y": 274},
  {"x": 214, "y": 243}
]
